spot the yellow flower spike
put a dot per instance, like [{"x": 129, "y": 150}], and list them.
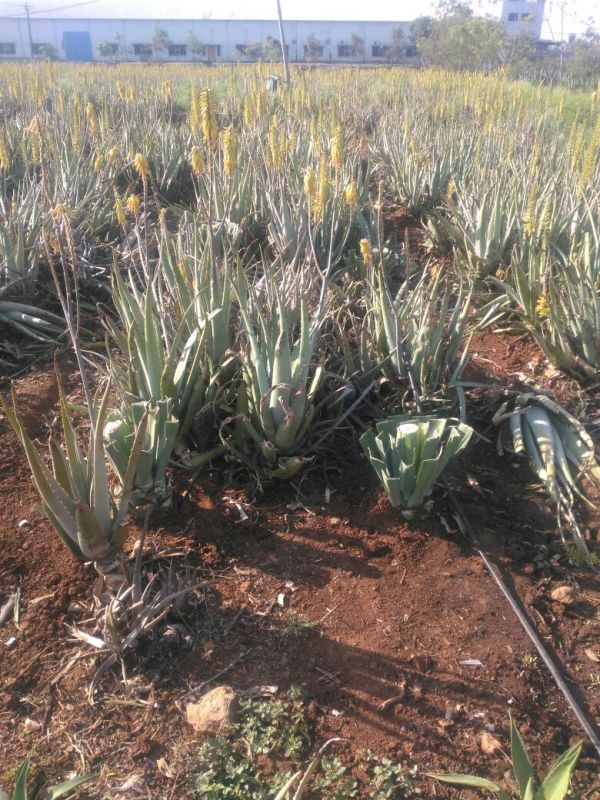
[
  {"x": 195, "y": 120},
  {"x": 323, "y": 188},
  {"x": 197, "y": 161},
  {"x": 90, "y": 115},
  {"x": 351, "y": 194},
  {"x": 229, "y": 151},
  {"x": 210, "y": 130},
  {"x": 542, "y": 308},
  {"x": 142, "y": 165},
  {"x": 310, "y": 183},
  {"x": 365, "y": 251},
  {"x": 337, "y": 151},
  {"x": 501, "y": 273},
  {"x": 120, "y": 210},
  {"x": 60, "y": 211},
  {"x": 451, "y": 191},
  {"x": 112, "y": 155},
  {"x": 98, "y": 163},
  {"x": 14, "y": 207},
  {"x": 4, "y": 151},
  {"x": 133, "y": 205}
]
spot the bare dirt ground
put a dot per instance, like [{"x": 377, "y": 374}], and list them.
[{"x": 343, "y": 597}]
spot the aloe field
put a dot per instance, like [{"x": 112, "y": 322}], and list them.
[{"x": 299, "y": 394}]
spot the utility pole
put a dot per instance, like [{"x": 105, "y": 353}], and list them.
[
  {"x": 26, "y": 7},
  {"x": 286, "y": 68},
  {"x": 562, "y": 35}
]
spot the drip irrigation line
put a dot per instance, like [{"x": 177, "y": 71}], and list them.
[
  {"x": 528, "y": 626},
  {"x": 471, "y": 534}
]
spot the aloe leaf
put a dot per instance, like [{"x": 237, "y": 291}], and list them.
[{"x": 521, "y": 763}]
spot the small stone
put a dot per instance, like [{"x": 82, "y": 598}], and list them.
[
  {"x": 214, "y": 712},
  {"x": 335, "y": 521},
  {"x": 563, "y": 595}
]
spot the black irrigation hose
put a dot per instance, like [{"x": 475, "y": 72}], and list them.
[
  {"x": 530, "y": 629},
  {"x": 528, "y": 626}
]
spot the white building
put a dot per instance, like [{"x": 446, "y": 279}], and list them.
[
  {"x": 523, "y": 17},
  {"x": 81, "y": 39},
  {"x": 222, "y": 40}
]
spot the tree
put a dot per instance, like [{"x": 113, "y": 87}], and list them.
[
  {"x": 422, "y": 28},
  {"x": 583, "y": 66},
  {"x": 254, "y": 51},
  {"x": 115, "y": 49},
  {"x": 313, "y": 48},
  {"x": 195, "y": 46},
  {"x": 454, "y": 8},
  {"x": 49, "y": 52},
  {"x": 272, "y": 49},
  {"x": 357, "y": 46},
  {"x": 397, "y": 48},
  {"x": 466, "y": 42},
  {"x": 160, "y": 41}
]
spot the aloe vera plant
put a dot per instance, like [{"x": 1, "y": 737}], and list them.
[
  {"x": 20, "y": 790},
  {"x": 409, "y": 454},
  {"x": 555, "y": 786},
  {"x": 429, "y": 323},
  {"x": 156, "y": 443},
  {"x": 555, "y": 442},
  {"x": 279, "y": 380},
  {"x": 76, "y": 495}
]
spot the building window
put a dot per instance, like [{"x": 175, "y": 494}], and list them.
[
  {"x": 512, "y": 17},
  {"x": 379, "y": 51},
  {"x": 411, "y": 50},
  {"x": 7, "y": 49},
  {"x": 178, "y": 49},
  {"x": 344, "y": 50},
  {"x": 142, "y": 49},
  {"x": 37, "y": 48},
  {"x": 527, "y": 17}
]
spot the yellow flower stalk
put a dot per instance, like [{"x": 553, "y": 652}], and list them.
[
  {"x": 133, "y": 205},
  {"x": 337, "y": 151},
  {"x": 99, "y": 163},
  {"x": 229, "y": 151},
  {"x": 112, "y": 155},
  {"x": 142, "y": 165},
  {"x": 351, "y": 194},
  {"x": 323, "y": 187},
  {"x": 542, "y": 308},
  {"x": 197, "y": 161},
  {"x": 120, "y": 210},
  {"x": 451, "y": 191},
  {"x": 365, "y": 251},
  {"x": 4, "y": 151},
  {"x": 210, "y": 130},
  {"x": 310, "y": 184},
  {"x": 92, "y": 119},
  {"x": 274, "y": 144}
]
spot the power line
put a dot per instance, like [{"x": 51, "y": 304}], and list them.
[{"x": 45, "y": 10}]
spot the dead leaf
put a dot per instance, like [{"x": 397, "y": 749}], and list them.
[
  {"x": 563, "y": 595},
  {"x": 591, "y": 655},
  {"x": 489, "y": 743},
  {"x": 392, "y": 701},
  {"x": 264, "y": 690},
  {"x": 165, "y": 769},
  {"x": 31, "y": 725}
]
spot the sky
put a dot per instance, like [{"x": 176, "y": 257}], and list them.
[{"x": 576, "y": 13}]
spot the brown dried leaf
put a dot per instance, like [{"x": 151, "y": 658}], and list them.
[{"x": 489, "y": 744}]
